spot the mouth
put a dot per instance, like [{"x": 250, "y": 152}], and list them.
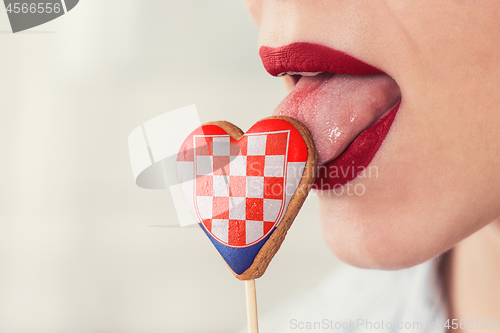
[{"x": 347, "y": 105}]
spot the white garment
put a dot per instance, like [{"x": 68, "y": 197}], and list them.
[{"x": 360, "y": 300}]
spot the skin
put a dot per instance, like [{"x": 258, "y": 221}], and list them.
[
  {"x": 438, "y": 168},
  {"x": 473, "y": 273}
]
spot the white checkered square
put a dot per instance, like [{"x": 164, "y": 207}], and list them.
[
  {"x": 204, "y": 207},
  {"x": 255, "y": 187},
  {"x": 204, "y": 165},
  {"x": 221, "y": 146},
  {"x": 274, "y": 166},
  {"x": 256, "y": 145},
  {"x": 220, "y": 186},
  {"x": 254, "y": 231},
  {"x": 220, "y": 229},
  {"x": 271, "y": 209},
  {"x": 294, "y": 171},
  {"x": 238, "y": 166},
  {"x": 237, "y": 208}
]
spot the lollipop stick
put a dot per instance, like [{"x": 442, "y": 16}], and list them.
[{"x": 253, "y": 326}]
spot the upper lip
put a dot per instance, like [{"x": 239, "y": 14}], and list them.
[{"x": 304, "y": 57}]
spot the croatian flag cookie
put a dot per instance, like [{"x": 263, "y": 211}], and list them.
[{"x": 245, "y": 189}]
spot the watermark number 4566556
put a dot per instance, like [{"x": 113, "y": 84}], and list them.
[{"x": 31, "y": 13}]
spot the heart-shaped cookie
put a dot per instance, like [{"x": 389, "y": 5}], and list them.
[{"x": 245, "y": 189}]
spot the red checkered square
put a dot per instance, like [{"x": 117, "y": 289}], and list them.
[
  {"x": 204, "y": 186},
  {"x": 237, "y": 233},
  {"x": 273, "y": 187},
  {"x": 255, "y": 209},
  {"x": 268, "y": 226},
  {"x": 203, "y": 146},
  {"x": 238, "y": 147},
  {"x": 221, "y": 165},
  {"x": 256, "y": 165},
  {"x": 237, "y": 186},
  {"x": 276, "y": 143},
  {"x": 208, "y": 224},
  {"x": 220, "y": 208}
]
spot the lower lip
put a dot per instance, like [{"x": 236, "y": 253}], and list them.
[{"x": 358, "y": 155}]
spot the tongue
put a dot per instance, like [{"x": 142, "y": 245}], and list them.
[{"x": 336, "y": 108}]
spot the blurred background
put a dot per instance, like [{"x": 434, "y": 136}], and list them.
[{"x": 82, "y": 248}]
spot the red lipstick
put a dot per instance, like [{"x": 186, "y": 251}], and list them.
[{"x": 308, "y": 57}]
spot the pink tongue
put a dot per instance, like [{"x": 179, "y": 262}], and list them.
[{"x": 336, "y": 108}]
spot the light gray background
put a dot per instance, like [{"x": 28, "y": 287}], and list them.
[{"x": 79, "y": 250}]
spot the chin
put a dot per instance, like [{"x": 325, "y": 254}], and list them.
[
  {"x": 380, "y": 248},
  {"x": 375, "y": 236}
]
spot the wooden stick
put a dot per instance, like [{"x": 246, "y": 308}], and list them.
[{"x": 253, "y": 325}]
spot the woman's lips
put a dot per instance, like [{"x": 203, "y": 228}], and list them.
[
  {"x": 347, "y": 115},
  {"x": 308, "y": 57}
]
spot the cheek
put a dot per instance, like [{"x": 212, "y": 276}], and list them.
[{"x": 435, "y": 186}]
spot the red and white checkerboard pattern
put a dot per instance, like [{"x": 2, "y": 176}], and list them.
[{"x": 239, "y": 187}]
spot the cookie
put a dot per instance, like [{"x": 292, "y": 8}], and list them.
[{"x": 245, "y": 189}]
